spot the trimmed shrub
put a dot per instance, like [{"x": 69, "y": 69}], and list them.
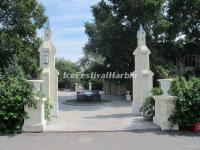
[{"x": 148, "y": 107}]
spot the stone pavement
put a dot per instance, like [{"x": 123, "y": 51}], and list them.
[
  {"x": 114, "y": 116},
  {"x": 140, "y": 140}
]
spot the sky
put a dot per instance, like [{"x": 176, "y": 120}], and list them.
[{"x": 67, "y": 19}]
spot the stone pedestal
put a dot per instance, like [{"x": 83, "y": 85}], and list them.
[
  {"x": 164, "y": 106},
  {"x": 36, "y": 121}
]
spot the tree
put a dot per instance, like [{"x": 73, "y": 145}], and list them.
[
  {"x": 66, "y": 67},
  {"x": 113, "y": 32},
  {"x": 172, "y": 28},
  {"x": 112, "y": 35},
  {"x": 19, "y": 21},
  {"x": 183, "y": 34}
]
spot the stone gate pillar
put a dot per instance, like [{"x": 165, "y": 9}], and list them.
[
  {"x": 142, "y": 76},
  {"x": 49, "y": 73}
]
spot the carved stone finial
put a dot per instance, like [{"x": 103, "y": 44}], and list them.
[
  {"x": 47, "y": 25},
  {"x": 141, "y": 29},
  {"x": 47, "y": 32}
]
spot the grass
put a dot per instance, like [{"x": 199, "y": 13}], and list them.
[{"x": 74, "y": 102}]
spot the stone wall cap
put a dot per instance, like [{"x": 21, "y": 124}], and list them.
[
  {"x": 164, "y": 97},
  {"x": 147, "y": 72},
  {"x": 35, "y": 81},
  {"x": 165, "y": 79}
]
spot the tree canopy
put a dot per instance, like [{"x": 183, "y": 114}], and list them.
[
  {"x": 172, "y": 28},
  {"x": 19, "y": 21},
  {"x": 64, "y": 66}
]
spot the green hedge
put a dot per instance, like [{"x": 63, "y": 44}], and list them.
[
  {"x": 187, "y": 106},
  {"x": 15, "y": 93}
]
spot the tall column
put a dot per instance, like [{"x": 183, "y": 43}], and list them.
[
  {"x": 49, "y": 74},
  {"x": 142, "y": 76}
]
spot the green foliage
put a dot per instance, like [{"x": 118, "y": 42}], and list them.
[
  {"x": 157, "y": 91},
  {"x": 47, "y": 105},
  {"x": 15, "y": 93},
  {"x": 179, "y": 84},
  {"x": 148, "y": 107},
  {"x": 188, "y": 75},
  {"x": 187, "y": 105},
  {"x": 112, "y": 35},
  {"x": 184, "y": 17},
  {"x": 28, "y": 59},
  {"x": 19, "y": 21},
  {"x": 48, "y": 108},
  {"x": 163, "y": 73},
  {"x": 68, "y": 67},
  {"x": 97, "y": 84},
  {"x": 172, "y": 28}
]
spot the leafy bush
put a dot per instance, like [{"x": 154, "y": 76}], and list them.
[
  {"x": 187, "y": 106},
  {"x": 179, "y": 84},
  {"x": 148, "y": 107},
  {"x": 47, "y": 109},
  {"x": 47, "y": 106},
  {"x": 156, "y": 91},
  {"x": 163, "y": 72},
  {"x": 15, "y": 93}
]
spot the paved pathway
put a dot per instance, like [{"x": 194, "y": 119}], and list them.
[
  {"x": 102, "y": 141},
  {"x": 114, "y": 116}
]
